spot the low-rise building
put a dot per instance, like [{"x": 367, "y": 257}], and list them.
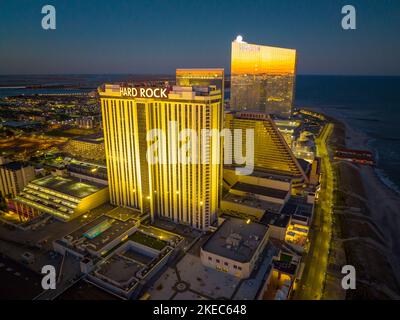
[
  {"x": 253, "y": 195},
  {"x": 88, "y": 171},
  {"x": 63, "y": 197},
  {"x": 285, "y": 273},
  {"x": 235, "y": 247},
  {"x": 87, "y": 147}
]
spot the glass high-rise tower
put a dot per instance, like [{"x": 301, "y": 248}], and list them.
[{"x": 262, "y": 78}]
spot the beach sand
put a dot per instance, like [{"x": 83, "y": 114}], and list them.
[{"x": 370, "y": 238}]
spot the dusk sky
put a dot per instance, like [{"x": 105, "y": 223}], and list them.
[{"x": 151, "y": 36}]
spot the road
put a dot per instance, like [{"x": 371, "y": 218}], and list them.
[{"x": 312, "y": 283}]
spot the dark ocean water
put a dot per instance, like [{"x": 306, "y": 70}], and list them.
[{"x": 369, "y": 104}]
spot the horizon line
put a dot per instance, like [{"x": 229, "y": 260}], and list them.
[{"x": 173, "y": 74}]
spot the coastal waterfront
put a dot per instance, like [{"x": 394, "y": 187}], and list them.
[
  {"x": 366, "y": 220},
  {"x": 312, "y": 285},
  {"x": 370, "y": 106},
  {"x": 343, "y": 236},
  {"x": 368, "y": 109}
]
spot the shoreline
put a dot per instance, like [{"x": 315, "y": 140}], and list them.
[
  {"x": 357, "y": 139},
  {"x": 370, "y": 237}
]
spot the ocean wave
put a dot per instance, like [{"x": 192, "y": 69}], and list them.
[{"x": 386, "y": 180}]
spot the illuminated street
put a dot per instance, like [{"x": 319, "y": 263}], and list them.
[{"x": 312, "y": 283}]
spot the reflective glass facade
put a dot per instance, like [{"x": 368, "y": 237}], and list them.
[{"x": 262, "y": 78}]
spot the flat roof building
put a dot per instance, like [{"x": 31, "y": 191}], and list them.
[
  {"x": 88, "y": 171},
  {"x": 63, "y": 197},
  {"x": 251, "y": 196},
  {"x": 100, "y": 235},
  {"x": 235, "y": 247}
]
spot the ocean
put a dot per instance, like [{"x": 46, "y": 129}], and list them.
[{"x": 369, "y": 104}]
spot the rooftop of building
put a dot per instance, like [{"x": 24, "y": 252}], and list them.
[
  {"x": 198, "y": 71},
  {"x": 193, "y": 93},
  {"x": 285, "y": 267},
  {"x": 275, "y": 219},
  {"x": 265, "y": 174},
  {"x": 252, "y": 202},
  {"x": 236, "y": 239},
  {"x": 86, "y": 168},
  {"x": 297, "y": 206},
  {"x": 260, "y": 190},
  {"x": 164, "y": 92},
  {"x": 124, "y": 214},
  {"x": 98, "y": 233},
  {"x": 131, "y": 262},
  {"x": 68, "y": 185},
  {"x": 120, "y": 270},
  {"x": 15, "y": 166}
]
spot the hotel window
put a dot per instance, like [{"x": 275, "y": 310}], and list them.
[
  {"x": 226, "y": 263},
  {"x": 217, "y": 261},
  {"x": 209, "y": 258},
  {"x": 239, "y": 268}
]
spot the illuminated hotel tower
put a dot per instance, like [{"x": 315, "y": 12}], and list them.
[
  {"x": 262, "y": 78},
  {"x": 186, "y": 193},
  {"x": 202, "y": 77},
  {"x": 274, "y": 156}
]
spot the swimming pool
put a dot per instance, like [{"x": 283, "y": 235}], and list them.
[{"x": 99, "y": 229}]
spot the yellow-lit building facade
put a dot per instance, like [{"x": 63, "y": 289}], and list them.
[
  {"x": 262, "y": 78},
  {"x": 202, "y": 77},
  {"x": 186, "y": 193},
  {"x": 87, "y": 148},
  {"x": 274, "y": 155}
]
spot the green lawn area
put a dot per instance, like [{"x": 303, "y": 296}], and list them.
[{"x": 146, "y": 240}]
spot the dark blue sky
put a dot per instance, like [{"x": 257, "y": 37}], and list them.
[{"x": 154, "y": 36}]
